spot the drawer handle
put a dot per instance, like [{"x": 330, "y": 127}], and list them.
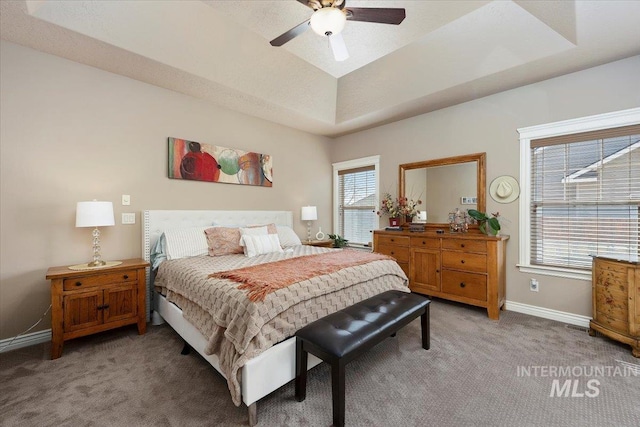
[
  {"x": 78, "y": 283},
  {"x": 437, "y": 271},
  {"x": 424, "y": 243},
  {"x": 462, "y": 245},
  {"x": 102, "y": 307},
  {"x": 462, "y": 261},
  {"x": 393, "y": 240},
  {"x": 392, "y": 253},
  {"x": 462, "y": 285},
  {"x": 126, "y": 276}
]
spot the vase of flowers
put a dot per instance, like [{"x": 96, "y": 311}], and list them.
[{"x": 397, "y": 208}]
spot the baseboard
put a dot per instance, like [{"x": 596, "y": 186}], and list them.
[
  {"x": 547, "y": 313},
  {"x": 25, "y": 340}
]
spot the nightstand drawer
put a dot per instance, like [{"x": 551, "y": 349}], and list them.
[{"x": 102, "y": 279}]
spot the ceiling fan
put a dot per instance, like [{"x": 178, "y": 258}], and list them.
[{"x": 329, "y": 18}]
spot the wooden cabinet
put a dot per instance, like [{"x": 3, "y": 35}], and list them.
[
  {"x": 468, "y": 268},
  {"x": 616, "y": 301},
  {"x": 84, "y": 302}
]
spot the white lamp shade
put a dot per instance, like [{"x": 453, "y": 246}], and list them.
[
  {"x": 94, "y": 214},
  {"x": 328, "y": 20},
  {"x": 309, "y": 213}
]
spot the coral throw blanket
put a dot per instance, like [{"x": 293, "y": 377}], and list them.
[{"x": 263, "y": 279}]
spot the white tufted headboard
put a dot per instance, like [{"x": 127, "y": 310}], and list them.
[{"x": 155, "y": 222}]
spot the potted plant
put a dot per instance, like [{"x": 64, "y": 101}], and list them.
[
  {"x": 487, "y": 225},
  {"x": 338, "y": 241}
]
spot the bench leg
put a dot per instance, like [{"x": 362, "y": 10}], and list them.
[
  {"x": 301, "y": 371},
  {"x": 424, "y": 323},
  {"x": 338, "y": 392}
]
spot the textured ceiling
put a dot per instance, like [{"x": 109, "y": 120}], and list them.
[{"x": 445, "y": 52}]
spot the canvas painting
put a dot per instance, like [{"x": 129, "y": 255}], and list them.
[{"x": 203, "y": 162}]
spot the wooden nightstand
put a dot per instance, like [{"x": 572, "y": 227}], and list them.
[
  {"x": 84, "y": 302},
  {"x": 322, "y": 243}
]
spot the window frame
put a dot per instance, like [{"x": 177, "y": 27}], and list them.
[
  {"x": 353, "y": 164},
  {"x": 566, "y": 127}
]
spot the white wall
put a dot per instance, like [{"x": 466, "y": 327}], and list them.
[
  {"x": 490, "y": 124},
  {"x": 70, "y": 133}
]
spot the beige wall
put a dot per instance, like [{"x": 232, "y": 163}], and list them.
[
  {"x": 71, "y": 132},
  {"x": 490, "y": 124}
]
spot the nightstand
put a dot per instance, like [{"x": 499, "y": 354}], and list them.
[
  {"x": 322, "y": 243},
  {"x": 84, "y": 302}
]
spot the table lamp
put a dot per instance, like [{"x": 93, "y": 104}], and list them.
[
  {"x": 95, "y": 214},
  {"x": 309, "y": 213}
]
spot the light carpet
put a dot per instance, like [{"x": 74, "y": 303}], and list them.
[{"x": 473, "y": 375}]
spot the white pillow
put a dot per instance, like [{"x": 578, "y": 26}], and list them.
[
  {"x": 252, "y": 231},
  {"x": 185, "y": 242},
  {"x": 287, "y": 236},
  {"x": 260, "y": 244}
]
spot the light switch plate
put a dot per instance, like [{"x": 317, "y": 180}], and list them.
[
  {"x": 129, "y": 218},
  {"x": 126, "y": 200}
]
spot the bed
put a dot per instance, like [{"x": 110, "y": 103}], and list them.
[{"x": 258, "y": 362}]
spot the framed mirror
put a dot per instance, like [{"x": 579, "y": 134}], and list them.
[{"x": 445, "y": 184}]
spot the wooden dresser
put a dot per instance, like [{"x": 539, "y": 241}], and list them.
[
  {"x": 616, "y": 301},
  {"x": 463, "y": 267}
]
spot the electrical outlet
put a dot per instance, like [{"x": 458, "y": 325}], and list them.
[
  {"x": 534, "y": 286},
  {"x": 126, "y": 200}
]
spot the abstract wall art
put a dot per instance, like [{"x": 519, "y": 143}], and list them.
[{"x": 204, "y": 162}]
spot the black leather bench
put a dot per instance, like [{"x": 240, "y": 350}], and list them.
[{"x": 344, "y": 335}]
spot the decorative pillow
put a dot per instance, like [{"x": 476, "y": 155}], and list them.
[
  {"x": 287, "y": 236},
  {"x": 223, "y": 241},
  {"x": 184, "y": 242},
  {"x": 260, "y": 244},
  {"x": 271, "y": 228}
]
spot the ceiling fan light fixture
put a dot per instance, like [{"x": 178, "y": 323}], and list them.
[{"x": 328, "y": 21}]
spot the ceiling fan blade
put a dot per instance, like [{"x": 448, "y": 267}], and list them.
[
  {"x": 292, "y": 33},
  {"x": 306, "y": 3},
  {"x": 339, "y": 48},
  {"x": 382, "y": 15}
]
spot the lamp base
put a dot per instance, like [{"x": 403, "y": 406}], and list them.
[{"x": 98, "y": 263}]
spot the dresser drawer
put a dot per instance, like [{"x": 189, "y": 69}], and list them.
[
  {"x": 400, "y": 253},
  {"x": 465, "y": 245},
  {"x": 466, "y": 285},
  {"x": 464, "y": 261},
  {"x": 393, "y": 240},
  {"x": 102, "y": 279},
  {"x": 425, "y": 242}
]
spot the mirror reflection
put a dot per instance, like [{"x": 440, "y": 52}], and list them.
[{"x": 444, "y": 185}]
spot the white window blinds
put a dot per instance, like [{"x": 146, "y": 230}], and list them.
[
  {"x": 357, "y": 204},
  {"x": 585, "y": 197}
]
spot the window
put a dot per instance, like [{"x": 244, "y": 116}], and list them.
[
  {"x": 355, "y": 188},
  {"x": 582, "y": 198}
]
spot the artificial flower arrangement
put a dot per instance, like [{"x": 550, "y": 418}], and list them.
[{"x": 401, "y": 206}]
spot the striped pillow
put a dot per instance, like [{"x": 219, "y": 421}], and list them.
[
  {"x": 185, "y": 242},
  {"x": 255, "y": 245}
]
